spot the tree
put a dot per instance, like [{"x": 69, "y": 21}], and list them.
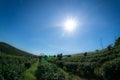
[
  {"x": 54, "y": 56},
  {"x": 46, "y": 57},
  {"x": 117, "y": 42},
  {"x": 109, "y": 47},
  {"x": 40, "y": 58},
  {"x": 59, "y": 56},
  {"x": 97, "y": 50},
  {"x": 68, "y": 55},
  {"x": 85, "y": 54}
]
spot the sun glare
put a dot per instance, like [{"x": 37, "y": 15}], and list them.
[{"x": 70, "y": 25}]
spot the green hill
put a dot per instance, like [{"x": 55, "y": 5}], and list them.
[
  {"x": 10, "y": 50},
  {"x": 98, "y": 65},
  {"x": 13, "y": 62}
]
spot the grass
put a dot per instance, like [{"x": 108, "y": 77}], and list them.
[{"x": 29, "y": 74}]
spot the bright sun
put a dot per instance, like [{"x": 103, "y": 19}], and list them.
[{"x": 70, "y": 25}]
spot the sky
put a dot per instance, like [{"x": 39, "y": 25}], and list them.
[{"x": 37, "y": 26}]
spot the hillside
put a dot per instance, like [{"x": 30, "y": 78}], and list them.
[
  {"x": 13, "y": 62},
  {"x": 98, "y": 65},
  {"x": 10, "y": 50}
]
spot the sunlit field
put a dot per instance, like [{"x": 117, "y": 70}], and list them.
[{"x": 59, "y": 39}]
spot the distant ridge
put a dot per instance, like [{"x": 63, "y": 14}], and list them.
[{"x": 6, "y": 48}]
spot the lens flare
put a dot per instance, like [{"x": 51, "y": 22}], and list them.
[{"x": 70, "y": 25}]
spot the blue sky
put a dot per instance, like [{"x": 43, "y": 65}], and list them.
[{"x": 36, "y": 26}]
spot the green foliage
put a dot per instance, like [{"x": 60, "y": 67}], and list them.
[
  {"x": 90, "y": 66},
  {"x": 109, "y": 47},
  {"x": 85, "y": 54},
  {"x": 111, "y": 70},
  {"x": 11, "y": 67},
  {"x": 99, "y": 65},
  {"x": 40, "y": 58},
  {"x": 70, "y": 66},
  {"x": 117, "y": 42},
  {"x": 29, "y": 74},
  {"x": 13, "y": 62},
  {"x": 59, "y": 56},
  {"x": 27, "y": 65},
  {"x": 47, "y": 71}
]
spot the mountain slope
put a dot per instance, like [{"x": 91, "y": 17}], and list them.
[{"x": 10, "y": 50}]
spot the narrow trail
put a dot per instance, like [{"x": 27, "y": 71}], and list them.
[
  {"x": 51, "y": 71},
  {"x": 29, "y": 74},
  {"x": 47, "y": 71}
]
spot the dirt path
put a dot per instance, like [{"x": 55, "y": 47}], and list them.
[{"x": 29, "y": 74}]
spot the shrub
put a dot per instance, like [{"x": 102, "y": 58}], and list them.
[
  {"x": 85, "y": 54},
  {"x": 109, "y": 47},
  {"x": 117, "y": 42},
  {"x": 111, "y": 70},
  {"x": 27, "y": 65},
  {"x": 59, "y": 56},
  {"x": 47, "y": 71}
]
